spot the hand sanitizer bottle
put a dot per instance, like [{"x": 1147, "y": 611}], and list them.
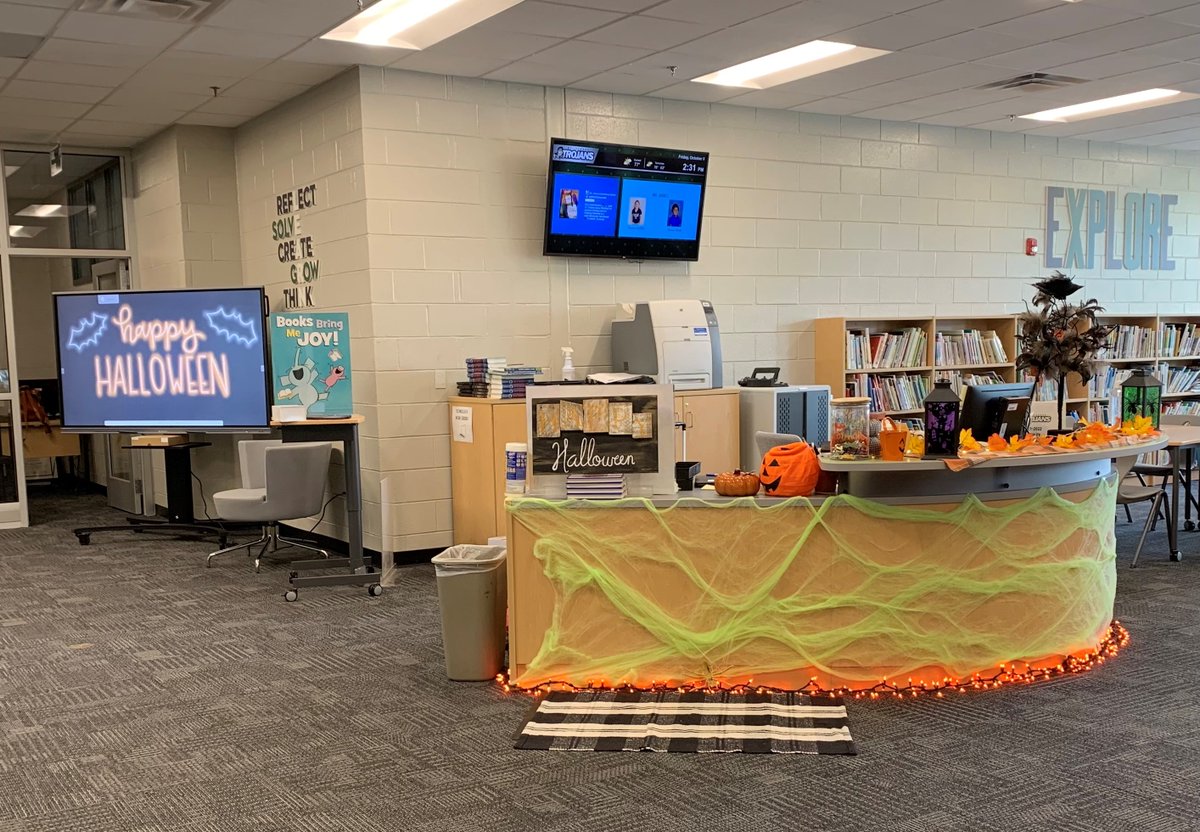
[{"x": 568, "y": 368}]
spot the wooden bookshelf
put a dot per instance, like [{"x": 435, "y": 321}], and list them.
[{"x": 833, "y": 362}]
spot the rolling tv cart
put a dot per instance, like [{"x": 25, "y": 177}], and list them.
[
  {"x": 357, "y": 571},
  {"x": 180, "y": 519}
]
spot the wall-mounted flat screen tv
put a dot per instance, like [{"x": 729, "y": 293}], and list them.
[
  {"x": 608, "y": 200},
  {"x": 141, "y": 362}
]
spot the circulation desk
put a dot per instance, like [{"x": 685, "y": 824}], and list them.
[{"x": 911, "y": 571}]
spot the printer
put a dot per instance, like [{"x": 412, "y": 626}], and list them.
[{"x": 675, "y": 341}]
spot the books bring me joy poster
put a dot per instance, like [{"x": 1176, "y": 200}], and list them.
[{"x": 310, "y": 359}]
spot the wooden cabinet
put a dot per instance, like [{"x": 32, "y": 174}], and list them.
[
  {"x": 713, "y": 420},
  {"x": 477, "y": 467}
]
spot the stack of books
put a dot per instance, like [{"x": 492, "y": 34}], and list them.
[
  {"x": 493, "y": 378},
  {"x": 595, "y": 486},
  {"x": 968, "y": 346},
  {"x": 893, "y": 350},
  {"x": 1178, "y": 339}
]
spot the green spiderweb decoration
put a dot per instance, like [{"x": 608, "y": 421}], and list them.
[{"x": 846, "y": 590}]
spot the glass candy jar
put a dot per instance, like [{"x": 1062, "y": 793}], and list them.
[{"x": 850, "y": 436}]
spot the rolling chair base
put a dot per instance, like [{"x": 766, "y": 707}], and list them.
[{"x": 272, "y": 540}]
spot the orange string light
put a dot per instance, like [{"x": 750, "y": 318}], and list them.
[{"x": 1007, "y": 673}]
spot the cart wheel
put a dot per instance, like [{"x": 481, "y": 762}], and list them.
[
  {"x": 84, "y": 539},
  {"x": 1189, "y": 525},
  {"x": 291, "y": 595},
  {"x": 374, "y": 590}
]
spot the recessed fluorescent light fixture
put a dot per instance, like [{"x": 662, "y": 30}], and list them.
[
  {"x": 25, "y": 231},
  {"x": 50, "y": 210},
  {"x": 415, "y": 24},
  {"x": 9, "y": 170},
  {"x": 1109, "y": 106},
  {"x": 801, "y": 61}
]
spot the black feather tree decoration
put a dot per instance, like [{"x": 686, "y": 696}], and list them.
[{"x": 1057, "y": 338}]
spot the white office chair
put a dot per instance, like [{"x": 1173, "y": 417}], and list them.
[
  {"x": 1129, "y": 493},
  {"x": 766, "y": 441},
  {"x": 280, "y": 481}
]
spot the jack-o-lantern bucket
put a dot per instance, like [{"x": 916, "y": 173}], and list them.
[{"x": 790, "y": 470}]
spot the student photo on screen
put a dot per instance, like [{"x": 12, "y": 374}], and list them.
[
  {"x": 675, "y": 214},
  {"x": 568, "y": 203},
  {"x": 635, "y": 212}
]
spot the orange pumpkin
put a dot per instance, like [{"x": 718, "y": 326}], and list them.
[
  {"x": 790, "y": 470},
  {"x": 737, "y": 483}
]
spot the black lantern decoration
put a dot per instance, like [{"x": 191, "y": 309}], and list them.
[
  {"x": 941, "y": 421},
  {"x": 1141, "y": 395}
]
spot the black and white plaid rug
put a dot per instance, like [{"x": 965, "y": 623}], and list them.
[{"x": 766, "y": 723}]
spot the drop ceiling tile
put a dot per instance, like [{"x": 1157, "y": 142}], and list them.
[
  {"x": 67, "y": 73},
  {"x": 130, "y": 129},
  {"x": 717, "y": 12},
  {"x": 1119, "y": 63},
  {"x": 18, "y": 88},
  {"x": 687, "y": 66},
  {"x": 1146, "y": 6},
  {"x": 585, "y": 59},
  {"x": 44, "y": 122},
  {"x": 343, "y": 53},
  {"x": 969, "y": 46},
  {"x": 241, "y": 44},
  {"x": 72, "y": 138},
  {"x": 213, "y": 119},
  {"x": 94, "y": 54},
  {"x": 538, "y": 18},
  {"x": 626, "y": 83},
  {"x": 801, "y": 22},
  {"x": 1186, "y": 11},
  {"x": 309, "y": 18},
  {"x": 178, "y": 62},
  {"x": 9, "y": 66},
  {"x": 648, "y": 32},
  {"x": 531, "y": 72},
  {"x": 477, "y": 44},
  {"x": 1037, "y": 58},
  {"x": 153, "y": 80},
  {"x": 468, "y": 66},
  {"x": 28, "y": 20},
  {"x": 33, "y": 107},
  {"x": 977, "y": 13},
  {"x": 111, "y": 28},
  {"x": 128, "y": 96},
  {"x": 1065, "y": 20},
  {"x": 232, "y": 106},
  {"x": 835, "y": 106},
  {"x": 737, "y": 44},
  {"x": 18, "y": 46},
  {"x": 265, "y": 90},
  {"x": 903, "y": 31},
  {"x": 774, "y": 98},
  {"x": 145, "y": 114},
  {"x": 296, "y": 72},
  {"x": 1132, "y": 34},
  {"x": 1178, "y": 49},
  {"x": 710, "y": 93},
  {"x": 56, "y": 4}
]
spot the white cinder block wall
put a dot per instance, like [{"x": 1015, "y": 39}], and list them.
[{"x": 430, "y": 219}]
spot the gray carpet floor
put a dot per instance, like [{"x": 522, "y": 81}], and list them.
[{"x": 140, "y": 691}]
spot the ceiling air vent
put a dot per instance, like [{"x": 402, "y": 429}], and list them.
[
  {"x": 176, "y": 11},
  {"x": 1034, "y": 82}
]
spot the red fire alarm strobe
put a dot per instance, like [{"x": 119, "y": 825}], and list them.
[{"x": 1031, "y": 247}]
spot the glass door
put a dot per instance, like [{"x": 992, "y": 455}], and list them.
[{"x": 11, "y": 499}]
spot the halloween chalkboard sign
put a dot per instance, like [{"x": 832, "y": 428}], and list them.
[{"x": 595, "y": 435}]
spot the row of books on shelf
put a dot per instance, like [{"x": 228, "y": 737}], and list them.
[
  {"x": 1178, "y": 339},
  {"x": 968, "y": 346},
  {"x": 1128, "y": 341},
  {"x": 1181, "y": 408},
  {"x": 904, "y": 392},
  {"x": 892, "y": 350}
]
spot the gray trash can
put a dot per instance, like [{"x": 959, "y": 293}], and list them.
[{"x": 473, "y": 593}]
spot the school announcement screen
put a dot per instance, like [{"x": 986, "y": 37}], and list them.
[
  {"x": 616, "y": 201},
  {"x": 139, "y": 361}
]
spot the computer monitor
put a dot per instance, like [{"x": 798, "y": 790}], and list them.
[{"x": 997, "y": 408}]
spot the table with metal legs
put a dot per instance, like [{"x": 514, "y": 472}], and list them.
[
  {"x": 357, "y": 571},
  {"x": 1182, "y": 441}
]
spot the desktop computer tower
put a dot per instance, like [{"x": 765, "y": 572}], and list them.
[{"x": 799, "y": 409}]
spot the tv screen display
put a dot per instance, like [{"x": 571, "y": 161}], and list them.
[
  {"x": 170, "y": 360},
  {"x": 640, "y": 203}
]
